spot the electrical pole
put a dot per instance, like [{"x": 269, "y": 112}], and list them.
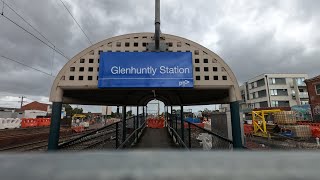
[{"x": 21, "y": 102}]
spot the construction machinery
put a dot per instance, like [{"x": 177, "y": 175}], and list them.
[
  {"x": 79, "y": 120},
  {"x": 259, "y": 121}
]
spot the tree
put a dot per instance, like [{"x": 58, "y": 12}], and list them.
[
  {"x": 77, "y": 111},
  {"x": 68, "y": 110},
  {"x": 129, "y": 113}
]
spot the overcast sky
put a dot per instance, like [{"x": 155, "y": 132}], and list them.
[{"x": 252, "y": 36}]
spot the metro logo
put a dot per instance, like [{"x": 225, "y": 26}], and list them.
[{"x": 183, "y": 83}]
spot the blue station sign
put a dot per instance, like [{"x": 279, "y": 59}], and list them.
[{"x": 145, "y": 70}]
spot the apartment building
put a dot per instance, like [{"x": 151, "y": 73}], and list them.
[
  {"x": 274, "y": 90},
  {"x": 313, "y": 86}
]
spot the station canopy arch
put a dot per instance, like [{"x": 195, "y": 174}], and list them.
[{"x": 77, "y": 81}]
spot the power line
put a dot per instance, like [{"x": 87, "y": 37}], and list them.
[
  {"x": 26, "y": 65},
  {"x": 34, "y": 36},
  {"x": 4, "y": 3},
  {"x": 76, "y": 21}
]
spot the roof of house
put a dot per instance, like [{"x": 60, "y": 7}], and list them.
[
  {"x": 316, "y": 78},
  {"x": 35, "y": 106}
]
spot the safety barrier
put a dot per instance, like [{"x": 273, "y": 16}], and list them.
[
  {"x": 155, "y": 122},
  {"x": 10, "y": 123},
  {"x": 315, "y": 131},
  {"x": 77, "y": 129},
  {"x": 29, "y": 122},
  {"x": 43, "y": 122},
  {"x": 248, "y": 129},
  {"x": 35, "y": 122}
]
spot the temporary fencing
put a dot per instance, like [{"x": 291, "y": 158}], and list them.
[
  {"x": 155, "y": 122},
  {"x": 43, "y": 121},
  {"x": 10, "y": 123},
  {"x": 35, "y": 122},
  {"x": 28, "y": 122}
]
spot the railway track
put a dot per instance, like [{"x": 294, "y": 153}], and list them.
[
  {"x": 282, "y": 142},
  {"x": 99, "y": 139},
  {"x": 41, "y": 145}
]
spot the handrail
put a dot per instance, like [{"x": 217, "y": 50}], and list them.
[
  {"x": 133, "y": 133},
  {"x": 85, "y": 135},
  {"x": 212, "y": 133},
  {"x": 178, "y": 137}
]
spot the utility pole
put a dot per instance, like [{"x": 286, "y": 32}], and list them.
[
  {"x": 21, "y": 102},
  {"x": 157, "y": 25}
]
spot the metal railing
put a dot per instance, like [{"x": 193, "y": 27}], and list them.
[
  {"x": 176, "y": 138},
  {"x": 196, "y": 137},
  {"x": 139, "y": 124},
  {"x": 199, "y": 137}
]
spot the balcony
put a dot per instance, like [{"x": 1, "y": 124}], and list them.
[
  {"x": 303, "y": 95},
  {"x": 299, "y": 83}
]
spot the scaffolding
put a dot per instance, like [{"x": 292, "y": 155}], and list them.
[{"x": 259, "y": 121}]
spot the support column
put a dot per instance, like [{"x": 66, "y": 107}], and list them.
[
  {"x": 235, "y": 120},
  {"x": 182, "y": 123},
  {"x": 167, "y": 116},
  {"x": 138, "y": 119},
  {"x": 55, "y": 126},
  {"x": 55, "y": 120},
  {"x": 146, "y": 111},
  {"x": 124, "y": 123},
  {"x": 118, "y": 113},
  {"x": 143, "y": 115},
  {"x": 171, "y": 117}
]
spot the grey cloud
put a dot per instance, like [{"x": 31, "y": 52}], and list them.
[{"x": 249, "y": 52}]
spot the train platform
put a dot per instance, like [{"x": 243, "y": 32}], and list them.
[{"x": 155, "y": 139}]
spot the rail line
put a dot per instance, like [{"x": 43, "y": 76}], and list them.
[{"x": 41, "y": 145}]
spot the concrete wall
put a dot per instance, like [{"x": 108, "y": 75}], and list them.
[{"x": 34, "y": 113}]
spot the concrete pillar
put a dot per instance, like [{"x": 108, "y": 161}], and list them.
[
  {"x": 55, "y": 121},
  {"x": 235, "y": 120}
]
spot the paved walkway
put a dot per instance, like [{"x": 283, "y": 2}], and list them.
[{"x": 155, "y": 139}]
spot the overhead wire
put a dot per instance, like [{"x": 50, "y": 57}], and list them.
[
  {"x": 76, "y": 21},
  {"x": 4, "y": 3},
  {"x": 52, "y": 47},
  {"x": 2, "y": 7},
  {"x": 16, "y": 61}
]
